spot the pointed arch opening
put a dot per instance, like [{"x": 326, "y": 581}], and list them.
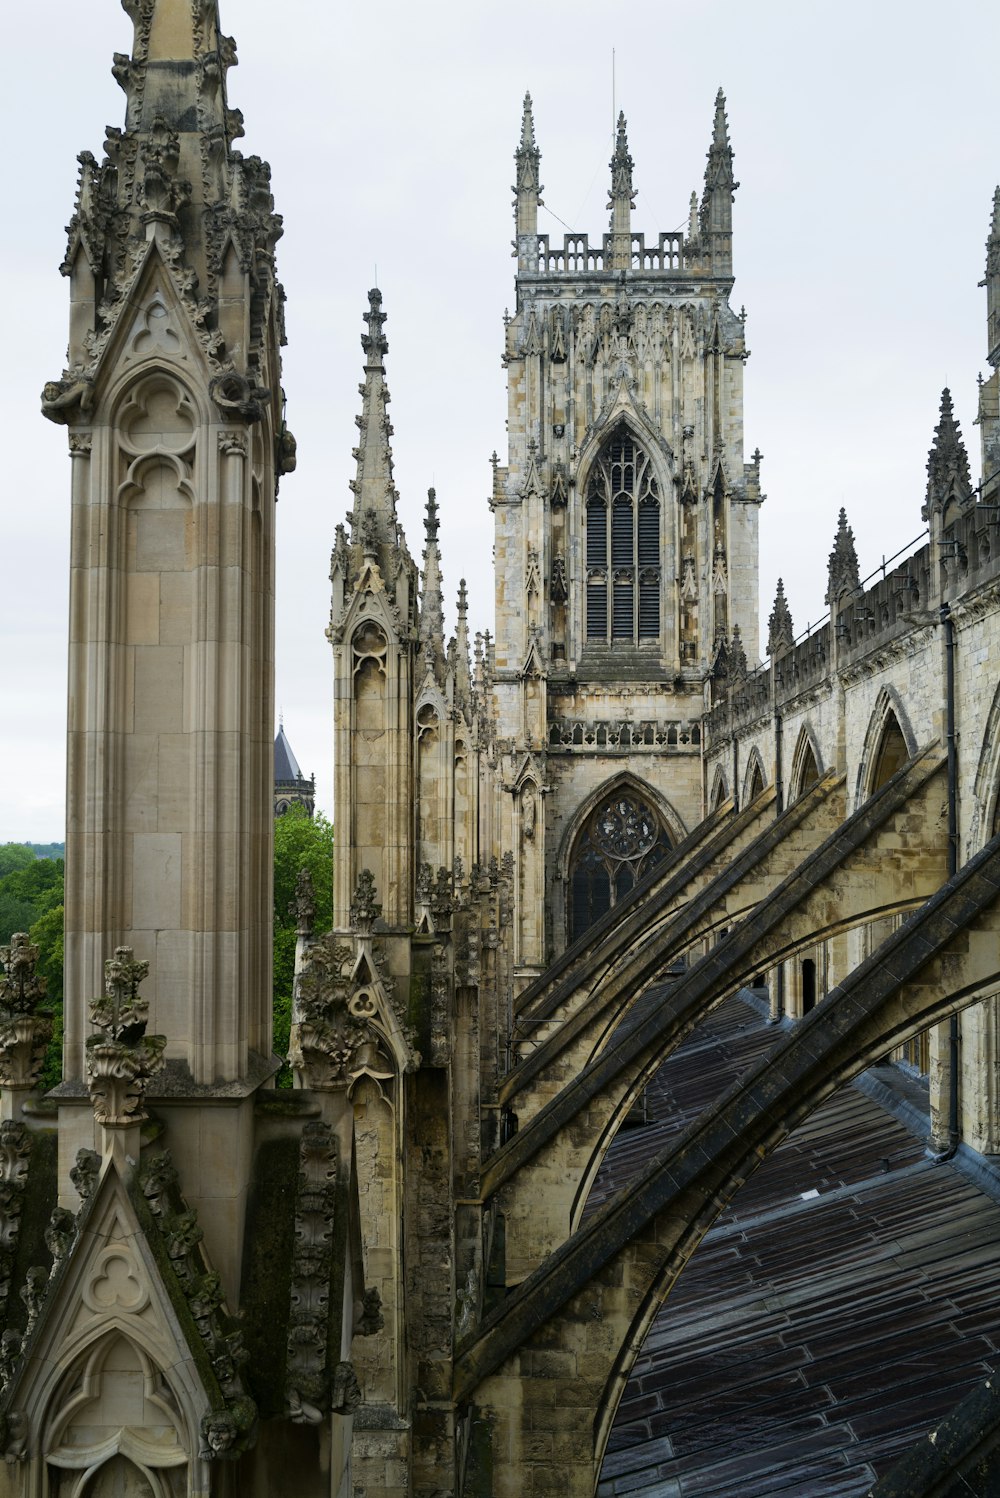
[
  {"x": 754, "y": 781},
  {"x": 890, "y": 754},
  {"x": 622, "y": 544},
  {"x": 720, "y": 791},
  {"x": 619, "y": 842},
  {"x": 805, "y": 766}
]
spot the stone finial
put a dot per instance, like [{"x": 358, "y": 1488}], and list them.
[
  {"x": 844, "y": 575},
  {"x": 527, "y": 188},
  {"x": 25, "y": 1031},
  {"x": 780, "y": 634},
  {"x": 948, "y": 481},
  {"x": 365, "y": 909},
  {"x": 122, "y": 1059},
  {"x": 374, "y": 342},
  {"x": 303, "y": 906},
  {"x": 460, "y": 653},
  {"x": 431, "y": 629}
]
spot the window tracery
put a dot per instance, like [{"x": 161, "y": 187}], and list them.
[
  {"x": 623, "y": 544},
  {"x": 621, "y": 840}
]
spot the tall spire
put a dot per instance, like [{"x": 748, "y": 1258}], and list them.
[
  {"x": 431, "y": 633},
  {"x": 993, "y": 285},
  {"x": 948, "y": 481},
  {"x": 844, "y": 574},
  {"x": 717, "y": 199},
  {"x": 374, "y": 513},
  {"x": 527, "y": 188},
  {"x": 622, "y": 200}
]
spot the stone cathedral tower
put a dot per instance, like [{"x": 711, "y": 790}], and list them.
[{"x": 626, "y": 539}]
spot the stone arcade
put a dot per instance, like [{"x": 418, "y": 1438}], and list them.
[{"x": 558, "y": 850}]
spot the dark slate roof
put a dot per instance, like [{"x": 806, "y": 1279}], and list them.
[
  {"x": 838, "y": 1310},
  {"x": 286, "y": 766}
]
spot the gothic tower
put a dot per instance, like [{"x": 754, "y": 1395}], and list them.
[{"x": 626, "y": 538}]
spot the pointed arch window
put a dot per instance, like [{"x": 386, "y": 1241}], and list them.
[
  {"x": 623, "y": 544},
  {"x": 621, "y": 839}
]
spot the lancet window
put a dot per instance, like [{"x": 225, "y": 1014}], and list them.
[
  {"x": 621, "y": 839},
  {"x": 623, "y": 544}
]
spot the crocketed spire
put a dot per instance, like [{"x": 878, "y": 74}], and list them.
[
  {"x": 948, "y": 481},
  {"x": 780, "y": 634},
  {"x": 622, "y": 199},
  {"x": 374, "y": 513},
  {"x": 431, "y": 633},
  {"x": 844, "y": 576}
]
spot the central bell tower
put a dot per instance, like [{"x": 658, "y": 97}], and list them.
[{"x": 626, "y": 538}]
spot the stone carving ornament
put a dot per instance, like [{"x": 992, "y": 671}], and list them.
[
  {"x": 25, "y": 1031},
  {"x": 122, "y": 1059}
]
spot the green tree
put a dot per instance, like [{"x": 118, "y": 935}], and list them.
[
  {"x": 47, "y": 933},
  {"x": 300, "y": 842},
  {"x": 31, "y": 899}
]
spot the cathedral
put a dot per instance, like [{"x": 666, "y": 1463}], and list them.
[{"x": 625, "y": 902}]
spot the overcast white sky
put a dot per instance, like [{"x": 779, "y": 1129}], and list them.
[{"x": 867, "y": 146}]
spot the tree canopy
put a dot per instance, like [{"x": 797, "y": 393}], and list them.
[{"x": 300, "y": 842}]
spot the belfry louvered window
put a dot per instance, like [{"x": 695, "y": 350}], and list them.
[{"x": 623, "y": 544}]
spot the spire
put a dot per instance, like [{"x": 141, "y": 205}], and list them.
[
  {"x": 948, "y": 481},
  {"x": 717, "y": 199},
  {"x": 431, "y": 605},
  {"x": 373, "y": 517},
  {"x": 844, "y": 576},
  {"x": 460, "y": 650},
  {"x": 780, "y": 634},
  {"x": 527, "y": 188},
  {"x": 171, "y": 177},
  {"x": 993, "y": 285},
  {"x": 622, "y": 200}
]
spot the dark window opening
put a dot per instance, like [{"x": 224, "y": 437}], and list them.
[
  {"x": 619, "y": 843},
  {"x": 623, "y": 544}
]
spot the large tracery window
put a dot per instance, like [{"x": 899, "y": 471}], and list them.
[
  {"x": 619, "y": 842},
  {"x": 623, "y": 544}
]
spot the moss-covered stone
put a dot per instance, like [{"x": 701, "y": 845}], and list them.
[
  {"x": 267, "y": 1270},
  {"x": 40, "y": 1197},
  {"x": 479, "y": 1462}
]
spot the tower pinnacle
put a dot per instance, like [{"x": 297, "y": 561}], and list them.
[
  {"x": 374, "y": 513},
  {"x": 717, "y": 198},
  {"x": 993, "y": 285},
  {"x": 527, "y": 188},
  {"x": 622, "y": 199}
]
